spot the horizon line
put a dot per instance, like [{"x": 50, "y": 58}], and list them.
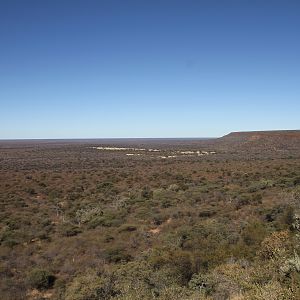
[
  {"x": 128, "y": 138},
  {"x": 104, "y": 138}
]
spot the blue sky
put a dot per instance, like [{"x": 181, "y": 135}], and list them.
[{"x": 148, "y": 68}]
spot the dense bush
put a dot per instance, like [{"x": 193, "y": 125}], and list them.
[
  {"x": 40, "y": 279},
  {"x": 109, "y": 227}
]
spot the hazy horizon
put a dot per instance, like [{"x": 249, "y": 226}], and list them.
[
  {"x": 111, "y": 138},
  {"x": 138, "y": 138}
]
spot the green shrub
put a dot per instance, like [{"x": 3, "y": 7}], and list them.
[
  {"x": 105, "y": 221},
  {"x": 116, "y": 255},
  {"x": 91, "y": 286},
  {"x": 40, "y": 279},
  {"x": 147, "y": 193}
]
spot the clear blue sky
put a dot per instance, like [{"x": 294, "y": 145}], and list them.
[{"x": 148, "y": 68}]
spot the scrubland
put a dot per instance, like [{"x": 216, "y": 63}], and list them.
[{"x": 81, "y": 224}]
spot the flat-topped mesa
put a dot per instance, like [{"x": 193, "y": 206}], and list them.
[
  {"x": 270, "y": 133},
  {"x": 277, "y": 139}
]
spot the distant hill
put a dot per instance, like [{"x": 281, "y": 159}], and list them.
[{"x": 269, "y": 140}]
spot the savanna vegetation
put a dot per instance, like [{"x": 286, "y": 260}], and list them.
[{"x": 80, "y": 224}]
